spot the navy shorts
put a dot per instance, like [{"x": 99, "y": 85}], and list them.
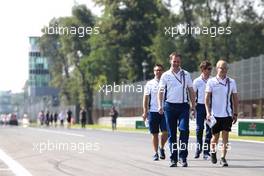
[
  {"x": 156, "y": 122},
  {"x": 222, "y": 124}
]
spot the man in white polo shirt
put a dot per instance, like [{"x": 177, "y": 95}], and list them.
[
  {"x": 199, "y": 89},
  {"x": 175, "y": 88},
  {"x": 221, "y": 102},
  {"x": 150, "y": 110}
]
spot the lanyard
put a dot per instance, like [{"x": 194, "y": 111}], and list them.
[
  {"x": 221, "y": 82},
  {"x": 180, "y": 80}
]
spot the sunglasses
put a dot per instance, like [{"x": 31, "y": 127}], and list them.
[{"x": 158, "y": 70}]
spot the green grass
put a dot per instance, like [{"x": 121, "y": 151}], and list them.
[
  {"x": 106, "y": 127},
  {"x": 236, "y": 137},
  {"x": 192, "y": 133},
  {"x": 126, "y": 129},
  {"x": 254, "y": 138}
]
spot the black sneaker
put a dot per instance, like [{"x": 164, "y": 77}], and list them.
[
  {"x": 197, "y": 155},
  {"x": 173, "y": 163},
  {"x": 162, "y": 154},
  {"x": 213, "y": 158},
  {"x": 183, "y": 162},
  {"x": 156, "y": 157},
  {"x": 223, "y": 162}
]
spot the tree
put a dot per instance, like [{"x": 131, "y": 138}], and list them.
[
  {"x": 131, "y": 26},
  {"x": 51, "y": 48},
  {"x": 71, "y": 52}
]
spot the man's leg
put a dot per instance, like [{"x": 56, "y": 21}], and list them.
[
  {"x": 155, "y": 145},
  {"x": 163, "y": 140},
  {"x": 199, "y": 130},
  {"x": 163, "y": 129},
  {"x": 214, "y": 142},
  {"x": 155, "y": 142},
  {"x": 184, "y": 134},
  {"x": 225, "y": 135},
  {"x": 207, "y": 140},
  {"x": 171, "y": 122},
  {"x": 154, "y": 130},
  {"x": 164, "y": 135}
]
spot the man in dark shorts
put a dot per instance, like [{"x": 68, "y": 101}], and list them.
[
  {"x": 150, "y": 111},
  {"x": 221, "y": 102}
]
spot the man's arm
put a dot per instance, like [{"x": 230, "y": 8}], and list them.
[
  {"x": 208, "y": 104},
  {"x": 193, "y": 103},
  {"x": 192, "y": 97},
  {"x": 145, "y": 106},
  {"x": 160, "y": 99},
  {"x": 235, "y": 107}
]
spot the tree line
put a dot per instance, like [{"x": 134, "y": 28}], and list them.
[{"x": 133, "y": 31}]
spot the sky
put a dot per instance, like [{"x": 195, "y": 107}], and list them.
[
  {"x": 20, "y": 19},
  {"x": 23, "y": 18}
]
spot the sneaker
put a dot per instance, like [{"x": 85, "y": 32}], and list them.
[
  {"x": 162, "y": 154},
  {"x": 213, "y": 158},
  {"x": 156, "y": 157},
  {"x": 183, "y": 162},
  {"x": 197, "y": 155},
  {"x": 206, "y": 156},
  {"x": 223, "y": 162},
  {"x": 173, "y": 163}
]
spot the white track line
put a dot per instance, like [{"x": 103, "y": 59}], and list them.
[
  {"x": 249, "y": 141},
  {"x": 14, "y": 166},
  {"x": 58, "y": 132}
]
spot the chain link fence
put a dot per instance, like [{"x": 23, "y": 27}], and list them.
[
  {"x": 248, "y": 74},
  {"x": 127, "y": 98}
]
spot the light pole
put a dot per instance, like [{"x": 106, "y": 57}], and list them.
[{"x": 144, "y": 69}]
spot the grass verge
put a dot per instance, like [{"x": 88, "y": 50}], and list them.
[{"x": 233, "y": 136}]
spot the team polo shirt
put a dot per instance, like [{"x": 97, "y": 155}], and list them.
[
  {"x": 221, "y": 97},
  {"x": 151, "y": 89},
  {"x": 199, "y": 85},
  {"x": 175, "y": 86}
]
